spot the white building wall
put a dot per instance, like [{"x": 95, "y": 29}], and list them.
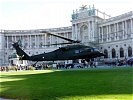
[{"x": 120, "y": 37}]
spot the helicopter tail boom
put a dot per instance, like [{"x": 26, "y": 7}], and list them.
[{"x": 22, "y": 55}]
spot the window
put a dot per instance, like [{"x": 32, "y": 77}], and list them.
[
  {"x": 121, "y": 52},
  {"x": 106, "y": 53},
  {"x": 113, "y": 53},
  {"x": 129, "y": 52}
]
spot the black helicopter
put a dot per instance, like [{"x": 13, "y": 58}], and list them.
[{"x": 69, "y": 52}]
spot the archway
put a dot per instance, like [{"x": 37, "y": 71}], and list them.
[
  {"x": 84, "y": 33},
  {"x": 121, "y": 52},
  {"x": 106, "y": 53},
  {"x": 113, "y": 53},
  {"x": 129, "y": 52}
]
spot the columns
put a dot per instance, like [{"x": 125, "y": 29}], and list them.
[
  {"x": 131, "y": 25},
  {"x": 15, "y": 38},
  {"x": 123, "y": 33},
  {"x": 35, "y": 41},
  {"x": 89, "y": 30},
  {"x": 45, "y": 39},
  {"x": 107, "y": 32},
  {"x": 116, "y": 31},
  {"x": 7, "y": 43},
  {"x": 93, "y": 30},
  {"x": 73, "y": 31},
  {"x": 30, "y": 41},
  {"x": 126, "y": 28},
  {"x": 102, "y": 34},
  {"x": 52, "y": 40},
  {"x": 76, "y": 32}
]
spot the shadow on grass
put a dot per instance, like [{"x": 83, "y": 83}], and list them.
[{"x": 59, "y": 84}]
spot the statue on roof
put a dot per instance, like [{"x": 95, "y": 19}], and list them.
[{"x": 83, "y": 7}]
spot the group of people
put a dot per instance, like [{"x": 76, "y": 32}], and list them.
[
  {"x": 48, "y": 66},
  {"x": 91, "y": 64},
  {"x": 43, "y": 66},
  {"x": 119, "y": 62},
  {"x": 14, "y": 68}
]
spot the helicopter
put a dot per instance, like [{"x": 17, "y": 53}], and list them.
[{"x": 68, "y": 52}]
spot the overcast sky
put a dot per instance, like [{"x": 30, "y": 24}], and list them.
[{"x": 42, "y": 14}]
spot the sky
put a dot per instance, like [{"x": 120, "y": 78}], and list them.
[{"x": 43, "y": 14}]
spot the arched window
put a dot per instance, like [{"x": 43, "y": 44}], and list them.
[
  {"x": 121, "y": 52},
  {"x": 106, "y": 53},
  {"x": 113, "y": 53},
  {"x": 129, "y": 52}
]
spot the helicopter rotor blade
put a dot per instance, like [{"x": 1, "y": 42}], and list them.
[
  {"x": 70, "y": 40},
  {"x": 57, "y": 44}
]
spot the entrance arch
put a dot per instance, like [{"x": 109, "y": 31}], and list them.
[
  {"x": 113, "y": 53},
  {"x": 106, "y": 53},
  {"x": 121, "y": 52},
  {"x": 84, "y": 33},
  {"x": 129, "y": 52}
]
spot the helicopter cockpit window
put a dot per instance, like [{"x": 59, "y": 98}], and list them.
[
  {"x": 88, "y": 49},
  {"x": 64, "y": 48},
  {"x": 77, "y": 51},
  {"x": 95, "y": 49}
]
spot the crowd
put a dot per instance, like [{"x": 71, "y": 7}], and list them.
[
  {"x": 15, "y": 68},
  {"x": 123, "y": 62},
  {"x": 47, "y": 66},
  {"x": 91, "y": 64}
]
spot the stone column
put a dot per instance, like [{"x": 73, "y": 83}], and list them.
[
  {"x": 7, "y": 42},
  {"x": 132, "y": 27},
  {"x": 35, "y": 41},
  {"x": 73, "y": 31},
  {"x": 102, "y": 34},
  {"x": 89, "y": 30},
  {"x": 76, "y": 32},
  {"x": 126, "y": 28},
  {"x": 45, "y": 39},
  {"x": 30, "y": 41},
  {"x": 28, "y": 45},
  {"x": 116, "y": 31},
  {"x": 15, "y": 39},
  {"x": 107, "y": 31},
  {"x": 93, "y": 30},
  {"x": 123, "y": 33},
  {"x": 111, "y": 31}
]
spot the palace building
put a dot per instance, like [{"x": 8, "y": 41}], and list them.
[{"x": 111, "y": 35}]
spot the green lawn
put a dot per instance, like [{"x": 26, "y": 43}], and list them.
[{"x": 91, "y": 84}]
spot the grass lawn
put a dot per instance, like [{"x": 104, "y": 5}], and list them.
[{"x": 90, "y": 84}]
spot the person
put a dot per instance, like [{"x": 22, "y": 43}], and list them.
[
  {"x": 91, "y": 64},
  {"x": 94, "y": 64}
]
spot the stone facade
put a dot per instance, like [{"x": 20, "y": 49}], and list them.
[
  {"x": 112, "y": 35},
  {"x": 116, "y": 36}
]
